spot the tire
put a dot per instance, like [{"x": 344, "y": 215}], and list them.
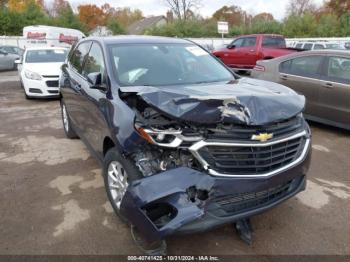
[
  {"x": 14, "y": 68},
  {"x": 124, "y": 167},
  {"x": 67, "y": 123}
]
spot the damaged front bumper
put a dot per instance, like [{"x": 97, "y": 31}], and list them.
[{"x": 184, "y": 200}]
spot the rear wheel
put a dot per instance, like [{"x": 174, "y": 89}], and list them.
[{"x": 67, "y": 124}]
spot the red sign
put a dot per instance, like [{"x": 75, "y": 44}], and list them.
[
  {"x": 36, "y": 35},
  {"x": 68, "y": 39}
]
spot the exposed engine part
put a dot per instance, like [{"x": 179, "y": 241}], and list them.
[{"x": 153, "y": 161}]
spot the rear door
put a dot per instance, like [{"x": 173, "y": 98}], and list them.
[
  {"x": 73, "y": 80},
  {"x": 302, "y": 74},
  {"x": 335, "y": 92}
]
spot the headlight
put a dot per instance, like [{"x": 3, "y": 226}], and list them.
[
  {"x": 32, "y": 75},
  {"x": 165, "y": 138}
]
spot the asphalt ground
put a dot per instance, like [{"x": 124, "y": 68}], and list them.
[{"x": 52, "y": 199}]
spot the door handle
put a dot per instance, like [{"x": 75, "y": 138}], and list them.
[
  {"x": 328, "y": 85},
  {"x": 284, "y": 77},
  {"x": 252, "y": 50}
]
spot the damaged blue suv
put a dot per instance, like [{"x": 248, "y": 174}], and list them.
[{"x": 185, "y": 144}]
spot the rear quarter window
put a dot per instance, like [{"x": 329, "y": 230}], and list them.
[{"x": 339, "y": 70}]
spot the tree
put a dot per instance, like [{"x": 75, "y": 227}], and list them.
[
  {"x": 263, "y": 17},
  {"x": 91, "y": 16},
  {"x": 183, "y": 9},
  {"x": 58, "y": 6},
  {"x": 299, "y": 7},
  {"x": 3, "y": 3},
  {"x": 328, "y": 26},
  {"x": 345, "y": 24},
  {"x": 67, "y": 18},
  {"x": 339, "y": 7},
  {"x": 300, "y": 26},
  {"x": 115, "y": 27},
  {"x": 234, "y": 15},
  {"x": 22, "y": 5},
  {"x": 126, "y": 16}
]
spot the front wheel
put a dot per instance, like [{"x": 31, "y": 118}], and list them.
[{"x": 118, "y": 173}]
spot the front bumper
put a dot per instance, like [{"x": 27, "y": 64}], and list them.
[
  {"x": 196, "y": 201},
  {"x": 41, "y": 88}
]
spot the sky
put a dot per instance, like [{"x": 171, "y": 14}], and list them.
[{"x": 158, "y": 7}]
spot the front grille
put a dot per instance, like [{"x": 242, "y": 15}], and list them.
[
  {"x": 252, "y": 160},
  {"x": 236, "y": 132},
  {"x": 242, "y": 202},
  {"x": 52, "y": 83}
]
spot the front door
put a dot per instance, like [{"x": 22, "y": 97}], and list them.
[{"x": 93, "y": 100}]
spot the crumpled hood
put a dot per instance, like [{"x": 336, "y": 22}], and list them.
[{"x": 243, "y": 101}]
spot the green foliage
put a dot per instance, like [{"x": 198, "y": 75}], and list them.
[
  {"x": 190, "y": 28},
  {"x": 66, "y": 18},
  {"x": 12, "y": 22},
  {"x": 300, "y": 26},
  {"x": 345, "y": 24},
  {"x": 115, "y": 27},
  {"x": 328, "y": 26}
]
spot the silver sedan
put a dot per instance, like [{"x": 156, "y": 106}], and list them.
[{"x": 7, "y": 61}]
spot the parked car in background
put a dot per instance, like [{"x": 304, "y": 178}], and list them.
[
  {"x": 322, "y": 76},
  {"x": 185, "y": 144},
  {"x": 318, "y": 46},
  {"x": 7, "y": 60},
  {"x": 12, "y": 49},
  {"x": 244, "y": 51},
  {"x": 40, "y": 69}
]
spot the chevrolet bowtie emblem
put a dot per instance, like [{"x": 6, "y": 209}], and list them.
[{"x": 262, "y": 137}]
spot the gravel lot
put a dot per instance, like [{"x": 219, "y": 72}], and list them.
[{"x": 53, "y": 200}]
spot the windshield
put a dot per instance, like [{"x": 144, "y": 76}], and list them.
[
  {"x": 166, "y": 64},
  {"x": 46, "y": 56}
]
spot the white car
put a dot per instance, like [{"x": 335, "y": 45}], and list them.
[{"x": 40, "y": 70}]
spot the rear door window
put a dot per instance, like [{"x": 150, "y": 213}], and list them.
[
  {"x": 299, "y": 46},
  {"x": 339, "y": 70},
  {"x": 77, "y": 58},
  {"x": 273, "y": 41},
  {"x": 307, "y": 66}
]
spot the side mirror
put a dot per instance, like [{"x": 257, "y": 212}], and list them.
[
  {"x": 95, "y": 79},
  {"x": 231, "y": 46},
  {"x": 18, "y": 61}
]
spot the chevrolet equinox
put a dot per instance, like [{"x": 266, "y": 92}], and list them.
[{"x": 185, "y": 144}]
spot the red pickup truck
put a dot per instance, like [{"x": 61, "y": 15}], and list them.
[{"x": 244, "y": 51}]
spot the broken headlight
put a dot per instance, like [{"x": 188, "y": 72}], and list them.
[{"x": 171, "y": 138}]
